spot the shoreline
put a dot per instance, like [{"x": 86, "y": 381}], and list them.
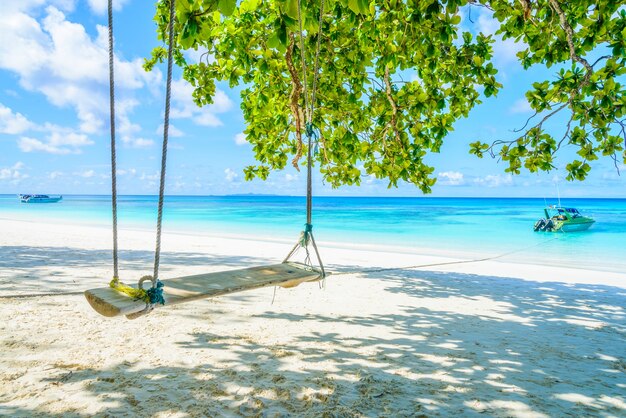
[
  {"x": 339, "y": 255},
  {"x": 420, "y": 252}
]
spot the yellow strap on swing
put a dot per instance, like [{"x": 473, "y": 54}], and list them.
[{"x": 137, "y": 294}]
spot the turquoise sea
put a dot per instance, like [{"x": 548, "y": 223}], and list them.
[{"x": 466, "y": 227}]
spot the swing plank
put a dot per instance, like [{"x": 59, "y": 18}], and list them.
[{"x": 109, "y": 302}]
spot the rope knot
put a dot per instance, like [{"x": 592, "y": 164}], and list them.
[
  {"x": 155, "y": 293},
  {"x": 311, "y": 133},
  {"x": 137, "y": 294},
  {"x": 305, "y": 237},
  {"x": 310, "y": 130}
]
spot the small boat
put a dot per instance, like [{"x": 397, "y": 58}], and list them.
[
  {"x": 39, "y": 198},
  {"x": 561, "y": 219}
]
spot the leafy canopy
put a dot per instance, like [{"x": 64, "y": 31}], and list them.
[{"x": 370, "y": 116}]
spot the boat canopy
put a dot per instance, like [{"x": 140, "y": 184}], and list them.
[
  {"x": 36, "y": 196},
  {"x": 571, "y": 213}
]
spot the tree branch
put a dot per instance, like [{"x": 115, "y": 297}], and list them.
[
  {"x": 566, "y": 135},
  {"x": 545, "y": 118},
  {"x": 569, "y": 34},
  {"x": 394, "y": 107},
  {"x": 600, "y": 59},
  {"x": 294, "y": 101},
  {"x": 207, "y": 9},
  {"x": 478, "y": 3}
]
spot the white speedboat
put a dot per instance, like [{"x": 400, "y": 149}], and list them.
[{"x": 39, "y": 198}]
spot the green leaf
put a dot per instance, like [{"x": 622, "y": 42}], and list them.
[
  {"x": 282, "y": 34},
  {"x": 273, "y": 41},
  {"x": 359, "y": 6},
  {"x": 249, "y": 5},
  {"x": 226, "y": 7},
  {"x": 290, "y": 8}
]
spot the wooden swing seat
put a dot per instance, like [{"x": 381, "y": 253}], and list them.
[{"x": 109, "y": 302}]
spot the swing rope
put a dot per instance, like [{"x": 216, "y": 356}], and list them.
[
  {"x": 306, "y": 236},
  {"x": 113, "y": 154},
  {"x": 153, "y": 295},
  {"x": 166, "y": 127},
  {"x": 138, "y": 294}
]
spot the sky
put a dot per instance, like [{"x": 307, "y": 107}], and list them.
[{"x": 54, "y": 118}]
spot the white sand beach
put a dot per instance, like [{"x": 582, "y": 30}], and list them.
[{"x": 488, "y": 338}]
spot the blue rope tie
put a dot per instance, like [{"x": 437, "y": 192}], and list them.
[
  {"x": 156, "y": 293},
  {"x": 310, "y": 130},
  {"x": 306, "y": 234},
  {"x": 312, "y": 133}
]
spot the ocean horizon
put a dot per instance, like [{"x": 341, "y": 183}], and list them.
[{"x": 465, "y": 227}]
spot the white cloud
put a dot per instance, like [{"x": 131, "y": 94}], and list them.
[
  {"x": 496, "y": 180},
  {"x": 55, "y": 174},
  {"x": 26, "y": 5},
  {"x": 130, "y": 172},
  {"x": 184, "y": 107},
  {"x": 194, "y": 56},
  {"x": 100, "y": 6},
  {"x": 240, "y": 139},
  {"x": 5, "y": 173},
  {"x": 487, "y": 24},
  {"x": 59, "y": 59},
  {"x": 504, "y": 51},
  {"x": 173, "y": 131},
  {"x": 23, "y": 43},
  {"x": 178, "y": 185},
  {"x": 70, "y": 139},
  {"x": 86, "y": 174},
  {"x": 123, "y": 108},
  {"x": 521, "y": 106},
  {"x": 11, "y": 122},
  {"x": 27, "y": 144},
  {"x": 207, "y": 119},
  {"x": 13, "y": 173},
  {"x": 615, "y": 173},
  {"x": 291, "y": 177},
  {"x": 126, "y": 129},
  {"x": 56, "y": 143},
  {"x": 231, "y": 175},
  {"x": 59, "y": 140},
  {"x": 451, "y": 178},
  {"x": 149, "y": 177},
  {"x": 137, "y": 142}
]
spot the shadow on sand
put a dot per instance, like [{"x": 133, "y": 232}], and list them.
[
  {"x": 464, "y": 345},
  {"x": 26, "y": 269}
]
